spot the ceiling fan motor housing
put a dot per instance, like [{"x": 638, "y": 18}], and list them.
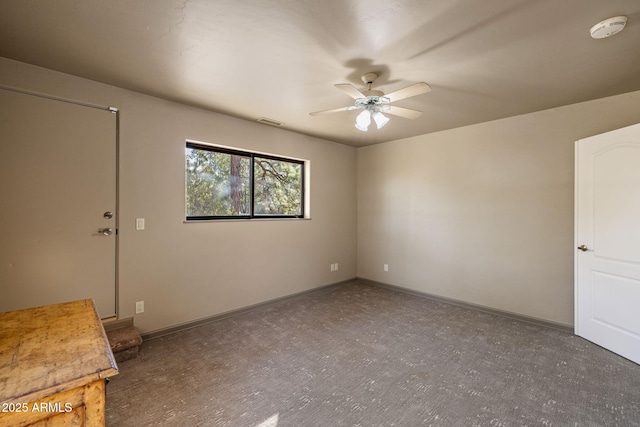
[
  {"x": 373, "y": 103},
  {"x": 371, "y": 92},
  {"x": 369, "y": 78}
]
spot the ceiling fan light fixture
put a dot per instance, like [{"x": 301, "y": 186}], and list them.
[
  {"x": 380, "y": 119},
  {"x": 375, "y": 102},
  {"x": 363, "y": 120}
]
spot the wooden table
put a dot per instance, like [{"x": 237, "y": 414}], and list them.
[{"x": 53, "y": 364}]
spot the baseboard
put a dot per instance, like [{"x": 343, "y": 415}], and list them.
[
  {"x": 202, "y": 321},
  {"x": 478, "y": 307},
  {"x": 110, "y": 325}
]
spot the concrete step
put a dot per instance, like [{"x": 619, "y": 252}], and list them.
[{"x": 124, "y": 343}]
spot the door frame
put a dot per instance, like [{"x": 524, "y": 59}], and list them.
[{"x": 576, "y": 221}]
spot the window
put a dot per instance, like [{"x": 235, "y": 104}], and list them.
[{"x": 226, "y": 184}]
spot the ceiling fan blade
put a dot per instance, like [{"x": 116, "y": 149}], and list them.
[
  {"x": 403, "y": 112},
  {"x": 350, "y": 90},
  {"x": 408, "y": 91},
  {"x": 335, "y": 110}
]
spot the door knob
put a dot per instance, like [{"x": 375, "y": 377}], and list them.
[
  {"x": 108, "y": 215},
  {"x": 583, "y": 248},
  {"x": 106, "y": 231}
]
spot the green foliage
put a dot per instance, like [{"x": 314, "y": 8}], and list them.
[
  {"x": 219, "y": 184},
  {"x": 209, "y": 184},
  {"x": 278, "y": 187}
]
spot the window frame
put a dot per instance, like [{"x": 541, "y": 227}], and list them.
[{"x": 251, "y": 155}]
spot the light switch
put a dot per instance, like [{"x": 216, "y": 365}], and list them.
[{"x": 139, "y": 223}]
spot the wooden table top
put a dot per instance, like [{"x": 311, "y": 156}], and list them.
[{"x": 49, "y": 349}]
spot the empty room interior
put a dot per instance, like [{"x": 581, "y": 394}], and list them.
[{"x": 320, "y": 213}]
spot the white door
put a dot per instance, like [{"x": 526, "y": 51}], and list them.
[
  {"x": 57, "y": 183},
  {"x": 608, "y": 241}
]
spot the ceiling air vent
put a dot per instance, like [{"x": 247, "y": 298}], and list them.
[{"x": 269, "y": 122}]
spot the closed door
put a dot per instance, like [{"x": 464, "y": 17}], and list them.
[
  {"x": 608, "y": 241},
  {"x": 58, "y": 196}
]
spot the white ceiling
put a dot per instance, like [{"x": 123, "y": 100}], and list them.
[{"x": 484, "y": 59}]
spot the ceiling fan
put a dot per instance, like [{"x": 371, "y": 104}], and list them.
[{"x": 374, "y": 102}]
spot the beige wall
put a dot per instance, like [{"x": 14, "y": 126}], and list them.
[
  {"x": 184, "y": 271},
  {"x": 484, "y": 213}
]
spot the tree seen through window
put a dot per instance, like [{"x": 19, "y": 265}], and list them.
[{"x": 220, "y": 184}]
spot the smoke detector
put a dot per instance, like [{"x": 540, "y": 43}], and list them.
[{"x": 608, "y": 27}]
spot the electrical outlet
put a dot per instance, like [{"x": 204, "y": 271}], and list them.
[
  {"x": 139, "y": 223},
  {"x": 386, "y": 267},
  {"x": 336, "y": 269},
  {"x": 139, "y": 307}
]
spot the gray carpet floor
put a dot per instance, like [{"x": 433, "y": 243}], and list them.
[{"x": 360, "y": 355}]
